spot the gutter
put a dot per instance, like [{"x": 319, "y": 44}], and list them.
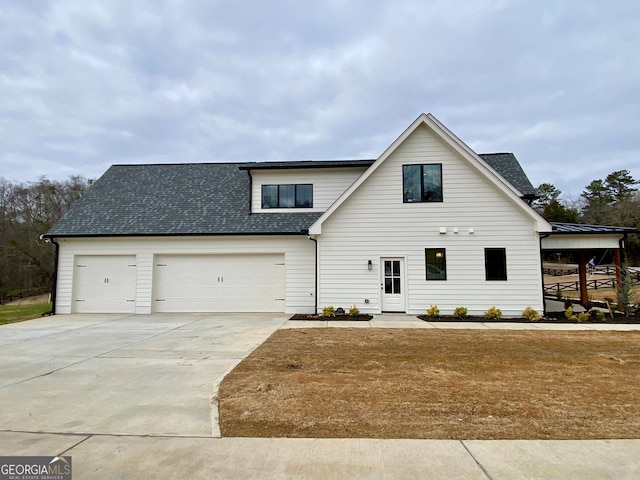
[{"x": 315, "y": 295}]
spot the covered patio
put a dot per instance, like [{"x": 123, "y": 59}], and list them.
[{"x": 585, "y": 242}]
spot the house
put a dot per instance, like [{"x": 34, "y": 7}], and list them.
[{"x": 427, "y": 222}]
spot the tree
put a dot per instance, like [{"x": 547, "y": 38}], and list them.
[
  {"x": 27, "y": 211},
  {"x": 557, "y": 212},
  {"x": 598, "y": 199},
  {"x": 619, "y": 184},
  {"x": 546, "y": 193}
]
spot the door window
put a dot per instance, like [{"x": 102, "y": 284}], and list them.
[{"x": 392, "y": 276}]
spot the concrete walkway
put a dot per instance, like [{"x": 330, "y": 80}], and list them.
[{"x": 131, "y": 397}]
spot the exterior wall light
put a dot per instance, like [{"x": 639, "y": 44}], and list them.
[{"x": 369, "y": 265}]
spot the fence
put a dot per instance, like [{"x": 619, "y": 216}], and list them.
[
  {"x": 594, "y": 284},
  {"x": 24, "y": 294}
]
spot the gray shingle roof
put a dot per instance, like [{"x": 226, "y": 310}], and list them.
[
  {"x": 507, "y": 165},
  {"x": 174, "y": 199},
  {"x": 203, "y": 199}
]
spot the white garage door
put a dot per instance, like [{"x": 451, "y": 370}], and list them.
[
  {"x": 104, "y": 284},
  {"x": 219, "y": 283}
]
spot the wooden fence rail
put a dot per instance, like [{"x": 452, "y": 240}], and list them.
[
  {"x": 594, "y": 284},
  {"x": 24, "y": 294}
]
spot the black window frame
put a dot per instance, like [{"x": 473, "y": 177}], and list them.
[
  {"x": 297, "y": 195},
  {"x": 495, "y": 264},
  {"x": 423, "y": 194},
  {"x": 441, "y": 264}
]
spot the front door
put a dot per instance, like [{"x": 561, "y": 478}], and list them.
[{"x": 392, "y": 284}]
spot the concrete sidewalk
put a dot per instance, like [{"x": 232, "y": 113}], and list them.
[
  {"x": 110, "y": 457},
  {"x": 134, "y": 397}
]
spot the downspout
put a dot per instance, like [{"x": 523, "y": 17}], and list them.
[
  {"x": 250, "y": 191},
  {"x": 315, "y": 295},
  {"x": 544, "y": 303},
  {"x": 54, "y": 280}
]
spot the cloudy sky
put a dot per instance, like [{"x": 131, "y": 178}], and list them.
[{"x": 86, "y": 84}]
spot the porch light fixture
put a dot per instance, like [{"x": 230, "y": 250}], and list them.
[{"x": 369, "y": 265}]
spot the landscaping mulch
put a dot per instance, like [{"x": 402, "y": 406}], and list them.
[
  {"x": 341, "y": 318},
  {"x": 440, "y": 384},
  {"x": 550, "y": 318}
]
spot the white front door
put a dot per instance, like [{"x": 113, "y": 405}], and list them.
[{"x": 392, "y": 284}]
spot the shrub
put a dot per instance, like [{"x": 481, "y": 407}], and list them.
[
  {"x": 493, "y": 313},
  {"x": 461, "y": 312},
  {"x": 596, "y": 314},
  {"x": 433, "y": 311},
  {"x": 582, "y": 317},
  {"x": 354, "y": 311},
  {"x": 568, "y": 313},
  {"x": 328, "y": 311},
  {"x": 531, "y": 314}
]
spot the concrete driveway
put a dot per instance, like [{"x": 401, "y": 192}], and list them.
[
  {"x": 122, "y": 374},
  {"x": 132, "y": 397}
]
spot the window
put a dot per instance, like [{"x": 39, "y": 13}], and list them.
[
  {"x": 495, "y": 263},
  {"x": 422, "y": 183},
  {"x": 287, "y": 196},
  {"x": 436, "y": 261}
]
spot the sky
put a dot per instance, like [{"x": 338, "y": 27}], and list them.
[{"x": 87, "y": 84}]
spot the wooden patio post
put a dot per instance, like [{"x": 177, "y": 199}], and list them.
[
  {"x": 582, "y": 275},
  {"x": 618, "y": 263}
]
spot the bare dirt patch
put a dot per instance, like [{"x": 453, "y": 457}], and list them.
[{"x": 442, "y": 384}]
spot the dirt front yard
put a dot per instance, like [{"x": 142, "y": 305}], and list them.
[{"x": 441, "y": 384}]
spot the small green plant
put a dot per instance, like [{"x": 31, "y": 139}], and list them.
[
  {"x": 493, "y": 313},
  {"x": 354, "y": 311},
  {"x": 596, "y": 314},
  {"x": 531, "y": 314},
  {"x": 433, "y": 311},
  {"x": 568, "y": 313},
  {"x": 328, "y": 311},
  {"x": 582, "y": 317},
  {"x": 461, "y": 312}
]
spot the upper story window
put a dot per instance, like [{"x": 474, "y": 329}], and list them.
[
  {"x": 422, "y": 183},
  {"x": 287, "y": 196}
]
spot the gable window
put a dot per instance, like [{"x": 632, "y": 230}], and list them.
[
  {"x": 495, "y": 263},
  {"x": 422, "y": 183},
  {"x": 287, "y": 196},
  {"x": 436, "y": 261}
]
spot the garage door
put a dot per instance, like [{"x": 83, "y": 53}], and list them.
[
  {"x": 104, "y": 284},
  {"x": 219, "y": 283}
]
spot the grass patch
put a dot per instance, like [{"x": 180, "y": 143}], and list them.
[
  {"x": 19, "y": 313},
  {"x": 442, "y": 384}
]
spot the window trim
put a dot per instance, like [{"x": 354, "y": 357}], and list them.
[
  {"x": 443, "y": 264},
  {"x": 487, "y": 265},
  {"x": 295, "y": 200},
  {"x": 422, "y": 165}
]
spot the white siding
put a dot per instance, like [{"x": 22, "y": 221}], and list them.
[
  {"x": 374, "y": 222},
  {"x": 298, "y": 250},
  {"x": 568, "y": 242},
  {"x": 328, "y": 185}
]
